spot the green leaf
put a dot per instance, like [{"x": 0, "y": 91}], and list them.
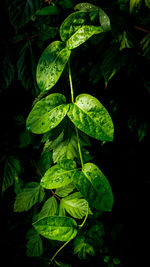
[
  {"x": 32, "y": 193},
  {"x": 75, "y": 205},
  {"x": 65, "y": 190},
  {"x": 48, "y": 10},
  {"x": 59, "y": 175},
  {"x": 125, "y": 41},
  {"x": 45, "y": 161},
  {"x": 145, "y": 45},
  {"x": 147, "y": 3},
  {"x": 49, "y": 208},
  {"x": 104, "y": 20},
  {"x": 88, "y": 7},
  {"x": 11, "y": 171},
  {"x": 47, "y": 113},
  {"x": 72, "y": 24},
  {"x": 22, "y": 11},
  {"x": 82, "y": 247},
  {"x": 135, "y": 5},
  {"x": 94, "y": 187},
  {"x": 51, "y": 65},
  {"x": 82, "y": 35},
  {"x": 7, "y": 70},
  {"x": 96, "y": 233},
  {"x": 90, "y": 116},
  {"x": 57, "y": 228},
  {"x": 24, "y": 138},
  {"x": 34, "y": 244}
]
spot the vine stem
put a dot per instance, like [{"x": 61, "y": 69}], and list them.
[
  {"x": 72, "y": 99},
  {"x": 59, "y": 250},
  {"x": 85, "y": 218}
]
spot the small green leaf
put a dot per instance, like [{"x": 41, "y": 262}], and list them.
[
  {"x": 147, "y": 3},
  {"x": 82, "y": 247},
  {"x": 145, "y": 45},
  {"x": 49, "y": 208},
  {"x": 34, "y": 244},
  {"x": 94, "y": 187},
  {"x": 135, "y": 5},
  {"x": 47, "y": 113},
  {"x": 125, "y": 41},
  {"x": 32, "y": 193},
  {"x": 59, "y": 175},
  {"x": 7, "y": 69},
  {"x": 90, "y": 116},
  {"x": 104, "y": 20},
  {"x": 51, "y": 65},
  {"x": 65, "y": 190},
  {"x": 48, "y": 10},
  {"x": 57, "y": 228},
  {"x": 82, "y": 35},
  {"x": 72, "y": 24},
  {"x": 75, "y": 205},
  {"x": 88, "y": 7}
]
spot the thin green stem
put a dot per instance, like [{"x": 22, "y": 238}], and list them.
[
  {"x": 72, "y": 99},
  {"x": 81, "y": 225},
  {"x": 59, "y": 250}
]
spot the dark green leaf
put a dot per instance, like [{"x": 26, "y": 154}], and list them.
[
  {"x": 46, "y": 32},
  {"x": 94, "y": 187},
  {"x": 75, "y": 205},
  {"x": 145, "y": 45},
  {"x": 90, "y": 116},
  {"x": 22, "y": 11},
  {"x": 34, "y": 244},
  {"x": 51, "y": 65},
  {"x": 32, "y": 193},
  {"x": 45, "y": 161},
  {"x": 125, "y": 41},
  {"x": 7, "y": 70},
  {"x": 48, "y": 10},
  {"x": 82, "y": 35},
  {"x": 65, "y": 190},
  {"x": 24, "y": 139},
  {"x": 49, "y": 208},
  {"x": 57, "y": 228},
  {"x": 86, "y": 7},
  {"x": 59, "y": 175},
  {"x": 72, "y": 24},
  {"x": 135, "y": 5},
  {"x": 147, "y": 3},
  {"x": 47, "y": 113},
  {"x": 11, "y": 171},
  {"x": 82, "y": 247},
  {"x": 104, "y": 20}
]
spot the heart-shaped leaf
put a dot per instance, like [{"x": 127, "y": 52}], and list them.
[
  {"x": 57, "y": 228},
  {"x": 94, "y": 187},
  {"x": 91, "y": 117},
  {"x": 47, "y": 113},
  {"x": 59, "y": 175},
  {"x": 82, "y": 35},
  {"x": 51, "y": 65}
]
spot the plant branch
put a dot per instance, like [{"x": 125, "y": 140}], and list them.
[
  {"x": 141, "y": 29},
  {"x": 81, "y": 225},
  {"x": 59, "y": 250}
]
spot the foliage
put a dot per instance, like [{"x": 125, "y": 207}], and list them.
[{"x": 70, "y": 196}]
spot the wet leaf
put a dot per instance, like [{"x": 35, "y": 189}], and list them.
[
  {"x": 59, "y": 175},
  {"x": 86, "y": 7},
  {"x": 90, "y": 116},
  {"x": 94, "y": 187},
  {"x": 57, "y": 228},
  {"x": 32, "y": 193},
  {"x": 72, "y": 24},
  {"x": 82, "y": 35},
  {"x": 34, "y": 244},
  {"x": 104, "y": 20},
  {"x": 47, "y": 113},
  {"x": 51, "y": 65}
]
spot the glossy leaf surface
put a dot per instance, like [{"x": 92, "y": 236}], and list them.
[
  {"x": 72, "y": 24},
  {"x": 59, "y": 175},
  {"x": 104, "y": 20},
  {"x": 86, "y": 7},
  {"x": 47, "y": 113},
  {"x": 51, "y": 65},
  {"x": 94, "y": 187},
  {"x": 57, "y": 228},
  {"x": 82, "y": 35},
  {"x": 90, "y": 116}
]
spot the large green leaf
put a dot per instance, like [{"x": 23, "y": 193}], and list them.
[
  {"x": 59, "y": 175},
  {"x": 57, "y": 228},
  {"x": 82, "y": 35},
  {"x": 94, "y": 187},
  {"x": 104, "y": 20},
  {"x": 47, "y": 113},
  {"x": 90, "y": 116},
  {"x": 32, "y": 193},
  {"x": 88, "y": 7},
  {"x": 22, "y": 11},
  {"x": 72, "y": 24},
  {"x": 49, "y": 208},
  {"x": 51, "y": 65},
  {"x": 34, "y": 244},
  {"x": 75, "y": 205}
]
